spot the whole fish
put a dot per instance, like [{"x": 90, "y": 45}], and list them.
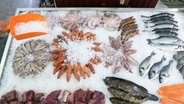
[
  {"x": 158, "y": 15},
  {"x": 115, "y": 100},
  {"x": 146, "y": 64},
  {"x": 182, "y": 71},
  {"x": 167, "y": 47},
  {"x": 165, "y": 72},
  {"x": 178, "y": 55},
  {"x": 180, "y": 63},
  {"x": 164, "y": 25},
  {"x": 166, "y": 40},
  {"x": 173, "y": 29},
  {"x": 125, "y": 85},
  {"x": 159, "y": 19},
  {"x": 155, "y": 69},
  {"x": 128, "y": 96}
]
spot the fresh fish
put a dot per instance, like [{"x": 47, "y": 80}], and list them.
[
  {"x": 165, "y": 72},
  {"x": 175, "y": 29},
  {"x": 168, "y": 47},
  {"x": 180, "y": 63},
  {"x": 164, "y": 25},
  {"x": 146, "y": 64},
  {"x": 158, "y": 15},
  {"x": 182, "y": 71},
  {"x": 115, "y": 100},
  {"x": 166, "y": 40},
  {"x": 128, "y": 96},
  {"x": 125, "y": 85},
  {"x": 178, "y": 55},
  {"x": 158, "y": 19},
  {"x": 155, "y": 69}
]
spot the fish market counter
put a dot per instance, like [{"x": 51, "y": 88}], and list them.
[{"x": 96, "y": 56}]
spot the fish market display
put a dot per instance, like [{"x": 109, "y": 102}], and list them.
[
  {"x": 65, "y": 60},
  {"x": 171, "y": 94},
  {"x": 73, "y": 20},
  {"x": 129, "y": 28},
  {"x": 127, "y": 91},
  {"x": 31, "y": 58},
  {"x": 55, "y": 97},
  {"x": 111, "y": 21},
  {"x": 179, "y": 58},
  {"x": 118, "y": 54},
  {"x": 145, "y": 65},
  {"x": 94, "y": 21}
]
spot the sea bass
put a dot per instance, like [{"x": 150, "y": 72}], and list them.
[
  {"x": 131, "y": 98},
  {"x": 155, "y": 69},
  {"x": 165, "y": 72},
  {"x": 146, "y": 64},
  {"x": 125, "y": 85}
]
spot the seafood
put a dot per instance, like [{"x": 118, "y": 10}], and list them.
[
  {"x": 128, "y": 96},
  {"x": 165, "y": 72},
  {"x": 93, "y": 21},
  {"x": 72, "y": 20},
  {"x": 170, "y": 96},
  {"x": 164, "y": 25},
  {"x": 158, "y": 19},
  {"x": 118, "y": 54},
  {"x": 146, "y": 64},
  {"x": 129, "y": 28},
  {"x": 158, "y": 15},
  {"x": 53, "y": 19},
  {"x": 111, "y": 21},
  {"x": 31, "y": 58},
  {"x": 179, "y": 58},
  {"x": 155, "y": 69},
  {"x": 115, "y": 100},
  {"x": 66, "y": 61},
  {"x": 125, "y": 85},
  {"x": 166, "y": 40},
  {"x": 126, "y": 91}
]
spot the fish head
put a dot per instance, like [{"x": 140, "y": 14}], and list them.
[
  {"x": 152, "y": 74},
  {"x": 163, "y": 77},
  {"x": 141, "y": 71}
]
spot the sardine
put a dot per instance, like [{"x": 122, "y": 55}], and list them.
[
  {"x": 155, "y": 69},
  {"x": 158, "y": 15},
  {"x": 125, "y": 85},
  {"x": 166, "y": 33},
  {"x": 165, "y": 72},
  {"x": 146, "y": 64},
  {"x": 128, "y": 96},
  {"x": 166, "y": 40},
  {"x": 115, "y": 100},
  {"x": 158, "y": 19},
  {"x": 174, "y": 29},
  {"x": 164, "y": 25}
]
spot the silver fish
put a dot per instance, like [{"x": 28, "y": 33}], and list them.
[
  {"x": 155, "y": 69},
  {"x": 178, "y": 55},
  {"x": 146, "y": 64},
  {"x": 165, "y": 72},
  {"x": 166, "y": 40},
  {"x": 180, "y": 63}
]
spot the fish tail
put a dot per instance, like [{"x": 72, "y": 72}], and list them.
[
  {"x": 149, "y": 41},
  {"x": 144, "y": 16},
  {"x": 152, "y": 97}
]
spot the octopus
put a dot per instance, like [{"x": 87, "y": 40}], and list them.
[
  {"x": 118, "y": 54},
  {"x": 111, "y": 21},
  {"x": 129, "y": 28},
  {"x": 93, "y": 22},
  {"x": 60, "y": 57},
  {"x": 31, "y": 58},
  {"x": 72, "y": 21},
  {"x": 52, "y": 19}
]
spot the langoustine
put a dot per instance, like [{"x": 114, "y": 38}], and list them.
[
  {"x": 118, "y": 54},
  {"x": 64, "y": 57}
]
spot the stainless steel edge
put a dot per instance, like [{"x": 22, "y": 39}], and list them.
[
  {"x": 9, "y": 40},
  {"x": 5, "y": 53}
]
